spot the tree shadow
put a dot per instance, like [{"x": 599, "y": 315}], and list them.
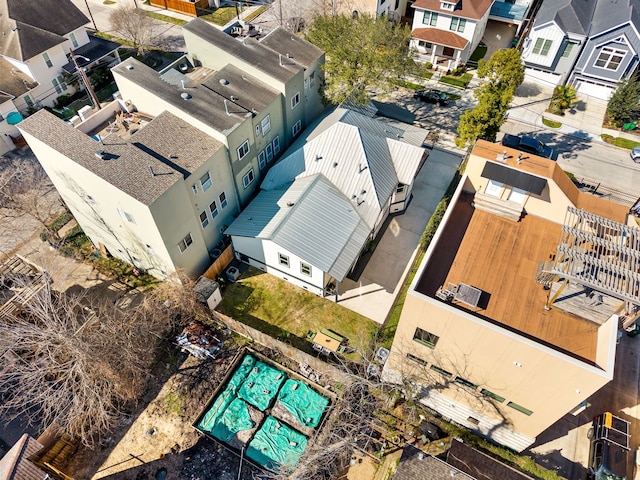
[{"x": 527, "y": 89}]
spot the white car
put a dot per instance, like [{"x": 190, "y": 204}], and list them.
[{"x": 635, "y": 154}]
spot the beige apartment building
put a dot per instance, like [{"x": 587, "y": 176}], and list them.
[{"x": 512, "y": 319}]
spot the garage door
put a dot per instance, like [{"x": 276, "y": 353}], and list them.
[{"x": 593, "y": 90}]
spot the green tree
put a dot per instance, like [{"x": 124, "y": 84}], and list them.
[
  {"x": 504, "y": 69},
  {"x": 564, "y": 96},
  {"x": 624, "y": 104},
  {"x": 362, "y": 52}
]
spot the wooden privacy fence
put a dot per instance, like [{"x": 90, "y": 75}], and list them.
[{"x": 219, "y": 264}]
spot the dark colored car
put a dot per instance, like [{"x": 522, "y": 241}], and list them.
[
  {"x": 528, "y": 145},
  {"x": 432, "y": 96},
  {"x": 609, "y": 437}
]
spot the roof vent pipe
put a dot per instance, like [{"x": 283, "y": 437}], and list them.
[
  {"x": 226, "y": 107},
  {"x": 280, "y": 59},
  {"x": 151, "y": 170}
]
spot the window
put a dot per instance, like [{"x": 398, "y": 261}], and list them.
[
  {"x": 283, "y": 259},
  {"x": 295, "y": 100},
  {"x": 47, "y": 60},
  {"x": 312, "y": 78},
  {"x": 305, "y": 268},
  {"x": 205, "y": 181},
  {"x": 447, "y": 5},
  {"x": 269, "y": 151},
  {"x": 425, "y": 45},
  {"x": 567, "y": 50},
  {"x": 213, "y": 208},
  {"x": 262, "y": 160},
  {"x": 28, "y": 100},
  {"x": 126, "y": 216},
  {"x": 266, "y": 125},
  {"x": 430, "y": 18},
  {"x": 466, "y": 383},
  {"x": 425, "y": 338},
  {"x": 73, "y": 39},
  {"x": 519, "y": 408},
  {"x": 296, "y": 128},
  {"x": 441, "y": 371},
  {"x": 257, "y": 130},
  {"x": 185, "y": 243},
  {"x": 276, "y": 145},
  {"x": 223, "y": 200},
  {"x": 59, "y": 85},
  {"x": 542, "y": 47},
  {"x": 610, "y": 58},
  {"x": 457, "y": 24},
  {"x": 473, "y": 421},
  {"x": 194, "y": 189},
  {"x": 204, "y": 219},
  {"x": 248, "y": 178},
  {"x": 417, "y": 360},
  {"x": 489, "y": 394},
  {"x": 243, "y": 150}
]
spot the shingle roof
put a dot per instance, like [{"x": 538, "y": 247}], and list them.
[
  {"x": 473, "y": 9},
  {"x": 609, "y": 14},
  {"x": 171, "y": 150},
  {"x": 250, "y": 51},
  {"x": 571, "y": 16},
  {"x": 284, "y": 42},
  {"x": 474, "y": 462},
  {"x": 417, "y": 465},
  {"x": 207, "y": 102},
  {"x": 13, "y": 81},
  {"x": 15, "y": 466},
  {"x": 440, "y": 37},
  {"x": 30, "y": 27},
  {"x": 311, "y": 219}
]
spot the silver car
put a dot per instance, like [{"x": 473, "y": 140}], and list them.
[{"x": 635, "y": 154}]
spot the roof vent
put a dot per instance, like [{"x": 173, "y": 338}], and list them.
[
  {"x": 335, "y": 164},
  {"x": 129, "y": 67},
  {"x": 101, "y": 154},
  {"x": 290, "y": 204},
  {"x": 224, "y": 81},
  {"x": 234, "y": 98},
  {"x": 185, "y": 96}
]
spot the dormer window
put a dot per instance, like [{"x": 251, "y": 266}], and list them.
[{"x": 447, "y": 6}]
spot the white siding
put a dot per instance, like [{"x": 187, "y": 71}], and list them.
[
  {"x": 292, "y": 273},
  {"x": 546, "y": 32}
]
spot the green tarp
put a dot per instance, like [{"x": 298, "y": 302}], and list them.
[
  {"x": 303, "y": 402},
  {"x": 261, "y": 385},
  {"x": 276, "y": 444},
  {"x": 234, "y": 419}
]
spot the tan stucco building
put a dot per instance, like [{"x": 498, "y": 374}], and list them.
[{"x": 512, "y": 319}]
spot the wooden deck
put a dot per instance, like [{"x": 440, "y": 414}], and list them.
[{"x": 501, "y": 258}]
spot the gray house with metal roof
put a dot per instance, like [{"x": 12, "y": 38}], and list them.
[
  {"x": 321, "y": 204},
  {"x": 590, "y": 44}
]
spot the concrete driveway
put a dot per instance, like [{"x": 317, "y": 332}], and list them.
[{"x": 377, "y": 287}]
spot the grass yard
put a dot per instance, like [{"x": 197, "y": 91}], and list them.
[
  {"x": 620, "y": 141},
  {"x": 287, "y": 312},
  {"x": 220, "y": 16}
]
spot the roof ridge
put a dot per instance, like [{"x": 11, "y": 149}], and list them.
[{"x": 291, "y": 208}]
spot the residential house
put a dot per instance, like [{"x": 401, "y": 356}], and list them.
[
  {"x": 591, "y": 45},
  {"x": 415, "y": 464},
  {"x": 35, "y": 68},
  {"x": 505, "y": 330},
  {"x": 321, "y": 204},
  {"x": 155, "y": 194},
  {"x": 16, "y": 465},
  {"x": 446, "y": 32}
]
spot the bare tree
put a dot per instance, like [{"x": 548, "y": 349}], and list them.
[
  {"x": 134, "y": 25},
  {"x": 69, "y": 361}
]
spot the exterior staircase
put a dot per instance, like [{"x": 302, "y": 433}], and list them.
[{"x": 490, "y": 204}]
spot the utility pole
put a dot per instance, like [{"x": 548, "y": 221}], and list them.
[
  {"x": 86, "y": 2},
  {"x": 86, "y": 81}
]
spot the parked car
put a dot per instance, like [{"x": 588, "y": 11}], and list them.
[
  {"x": 529, "y": 145},
  {"x": 295, "y": 24},
  {"x": 432, "y": 96},
  {"x": 609, "y": 448},
  {"x": 635, "y": 154}
]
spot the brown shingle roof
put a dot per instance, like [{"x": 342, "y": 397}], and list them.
[
  {"x": 15, "y": 466},
  {"x": 440, "y": 37},
  {"x": 414, "y": 466},
  {"x": 476, "y": 463},
  {"x": 473, "y": 9}
]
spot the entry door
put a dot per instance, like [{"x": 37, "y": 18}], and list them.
[{"x": 448, "y": 51}]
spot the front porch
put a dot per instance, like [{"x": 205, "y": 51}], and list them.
[{"x": 443, "y": 49}]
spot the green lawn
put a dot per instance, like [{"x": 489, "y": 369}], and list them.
[
  {"x": 620, "y": 141},
  {"x": 287, "y": 312},
  {"x": 479, "y": 53},
  {"x": 220, "y": 16}
]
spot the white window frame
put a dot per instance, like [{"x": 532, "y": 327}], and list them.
[
  {"x": 308, "y": 267},
  {"x": 47, "y": 60},
  {"x": 60, "y": 86},
  {"x": 297, "y": 128},
  {"x": 248, "y": 178},
  {"x": 542, "y": 46},
  {"x": 74, "y": 40},
  {"x": 276, "y": 144},
  {"x": 204, "y": 221},
  {"x": 432, "y": 18},
  {"x": 213, "y": 208},
  {"x": 269, "y": 151},
  {"x": 185, "y": 243},
  {"x": 266, "y": 125},
  {"x": 283, "y": 259},
  {"x": 126, "y": 216},
  {"x": 194, "y": 189},
  {"x": 606, "y": 55},
  {"x": 295, "y": 100},
  {"x": 205, "y": 181},
  {"x": 243, "y": 150},
  {"x": 262, "y": 160},
  {"x": 223, "y": 200},
  {"x": 457, "y": 24}
]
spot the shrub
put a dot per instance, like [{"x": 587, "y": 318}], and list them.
[
  {"x": 551, "y": 123},
  {"x": 460, "y": 82}
]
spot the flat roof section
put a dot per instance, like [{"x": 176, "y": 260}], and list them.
[{"x": 501, "y": 258}]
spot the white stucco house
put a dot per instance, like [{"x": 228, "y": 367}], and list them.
[{"x": 321, "y": 204}]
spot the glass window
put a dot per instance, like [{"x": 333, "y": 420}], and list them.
[
  {"x": 430, "y": 18},
  {"x": 519, "y": 408},
  {"x": 296, "y": 128},
  {"x": 283, "y": 259},
  {"x": 269, "y": 151},
  {"x": 47, "y": 60},
  {"x": 185, "y": 243},
  {"x": 489, "y": 394},
  {"x": 295, "y": 100},
  {"x": 266, "y": 124},
  {"x": 610, "y": 58},
  {"x": 248, "y": 178},
  {"x": 243, "y": 150},
  {"x": 28, "y": 100},
  {"x": 305, "y": 268},
  {"x": 441, "y": 371},
  {"x": 567, "y": 50},
  {"x": 223, "y": 200},
  {"x": 542, "y": 47},
  {"x": 425, "y": 338},
  {"x": 204, "y": 219},
  {"x": 466, "y": 383},
  {"x": 73, "y": 39},
  {"x": 194, "y": 189},
  {"x": 417, "y": 360},
  {"x": 205, "y": 181},
  {"x": 59, "y": 84},
  {"x": 276, "y": 145},
  {"x": 213, "y": 208},
  {"x": 262, "y": 160},
  {"x": 457, "y": 24}
]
